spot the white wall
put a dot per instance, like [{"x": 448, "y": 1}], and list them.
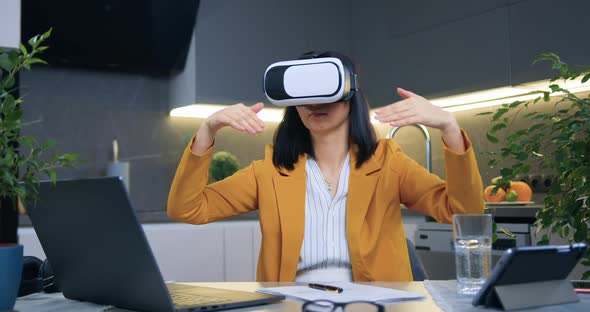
[{"x": 10, "y": 17}]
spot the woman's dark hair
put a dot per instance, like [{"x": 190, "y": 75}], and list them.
[{"x": 292, "y": 138}]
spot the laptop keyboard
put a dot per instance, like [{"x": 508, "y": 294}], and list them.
[{"x": 186, "y": 300}]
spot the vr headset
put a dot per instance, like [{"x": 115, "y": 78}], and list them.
[{"x": 309, "y": 81}]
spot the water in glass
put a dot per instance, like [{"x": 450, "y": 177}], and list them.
[{"x": 473, "y": 261}]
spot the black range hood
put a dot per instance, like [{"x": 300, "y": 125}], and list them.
[{"x": 138, "y": 36}]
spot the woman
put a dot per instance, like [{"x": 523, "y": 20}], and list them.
[{"x": 328, "y": 193}]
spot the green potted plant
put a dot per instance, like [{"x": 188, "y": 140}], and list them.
[
  {"x": 556, "y": 143},
  {"x": 23, "y": 162},
  {"x": 223, "y": 164}
]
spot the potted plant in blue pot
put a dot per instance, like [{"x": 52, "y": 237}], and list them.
[{"x": 23, "y": 162}]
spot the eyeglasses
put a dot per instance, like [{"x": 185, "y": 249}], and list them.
[{"x": 329, "y": 306}]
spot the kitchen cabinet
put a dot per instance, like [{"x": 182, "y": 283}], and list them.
[
  {"x": 236, "y": 40},
  {"x": 546, "y": 26},
  {"x": 466, "y": 54},
  {"x": 216, "y": 252}
]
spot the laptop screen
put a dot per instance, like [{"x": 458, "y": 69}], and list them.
[{"x": 96, "y": 246}]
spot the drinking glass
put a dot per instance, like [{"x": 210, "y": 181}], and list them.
[{"x": 472, "y": 234}]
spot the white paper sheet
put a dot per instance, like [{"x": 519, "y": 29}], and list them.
[{"x": 350, "y": 292}]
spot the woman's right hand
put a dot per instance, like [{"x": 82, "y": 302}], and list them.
[{"x": 238, "y": 116}]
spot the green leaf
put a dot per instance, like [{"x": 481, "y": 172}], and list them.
[
  {"x": 5, "y": 63},
  {"x": 554, "y": 88},
  {"x": 8, "y": 82},
  {"x": 13, "y": 116},
  {"x": 35, "y": 60},
  {"x": 48, "y": 144},
  {"x": 70, "y": 157},
  {"x": 8, "y": 104},
  {"x": 507, "y": 232},
  {"x": 543, "y": 241},
  {"x": 499, "y": 113},
  {"x": 546, "y": 96},
  {"x": 7, "y": 178},
  {"x": 13, "y": 56},
  {"x": 484, "y": 113},
  {"x": 563, "y": 111},
  {"x": 585, "y": 78},
  {"x": 497, "y": 127},
  {"x": 33, "y": 41},
  {"x": 491, "y": 138},
  {"x": 550, "y": 57},
  {"x": 52, "y": 176},
  {"x": 536, "y": 127},
  {"x": 27, "y": 141},
  {"x": 516, "y": 104},
  {"x": 516, "y": 135},
  {"x": 23, "y": 49},
  {"x": 581, "y": 232},
  {"x": 495, "y": 190},
  {"x": 506, "y": 172},
  {"x": 47, "y": 34},
  {"x": 522, "y": 168},
  {"x": 522, "y": 156},
  {"x": 541, "y": 116}
]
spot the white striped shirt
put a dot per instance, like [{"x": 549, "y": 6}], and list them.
[{"x": 325, "y": 247}]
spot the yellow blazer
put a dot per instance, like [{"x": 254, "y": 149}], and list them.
[{"x": 374, "y": 228}]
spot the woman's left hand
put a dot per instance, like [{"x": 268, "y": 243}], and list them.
[{"x": 414, "y": 109}]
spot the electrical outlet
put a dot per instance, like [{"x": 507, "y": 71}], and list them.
[
  {"x": 536, "y": 182},
  {"x": 545, "y": 183},
  {"x": 523, "y": 178}
]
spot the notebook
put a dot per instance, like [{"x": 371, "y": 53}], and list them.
[{"x": 350, "y": 292}]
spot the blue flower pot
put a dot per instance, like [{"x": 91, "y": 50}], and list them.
[{"x": 11, "y": 266}]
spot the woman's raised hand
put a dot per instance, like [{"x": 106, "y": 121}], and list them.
[
  {"x": 414, "y": 109},
  {"x": 238, "y": 116}
]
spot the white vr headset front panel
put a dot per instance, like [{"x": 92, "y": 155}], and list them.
[
  {"x": 313, "y": 79},
  {"x": 309, "y": 81}
]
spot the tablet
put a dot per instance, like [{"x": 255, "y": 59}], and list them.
[
  {"x": 531, "y": 264},
  {"x": 581, "y": 286}
]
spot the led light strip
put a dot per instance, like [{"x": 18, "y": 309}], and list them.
[
  {"x": 269, "y": 114},
  {"x": 455, "y": 103}
]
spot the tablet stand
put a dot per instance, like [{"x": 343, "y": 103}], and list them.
[{"x": 529, "y": 295}]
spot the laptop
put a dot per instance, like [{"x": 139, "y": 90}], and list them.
[{"x": 99, "y": 252}]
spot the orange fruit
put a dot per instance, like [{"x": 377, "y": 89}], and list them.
[
  {"x": 500, "y": 194},
  {"x": 524, "y": 191}
]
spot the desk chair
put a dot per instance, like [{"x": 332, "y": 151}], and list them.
[{"x": 417, "y": 268}]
